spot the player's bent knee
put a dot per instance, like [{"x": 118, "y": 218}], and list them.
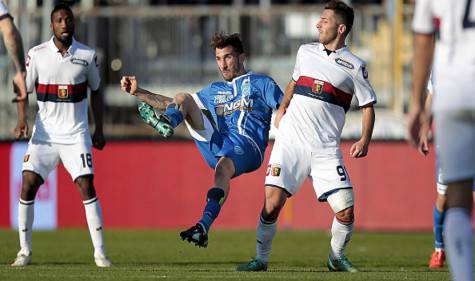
[
  {"x": 346, "y": 216},
  {"x": 341, "y": 199}
]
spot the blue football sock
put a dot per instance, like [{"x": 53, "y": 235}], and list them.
[
  {"x": 214, "y": 199},
  {"x": 174, "y": 115},
  {"x": 438, "y": 228}
]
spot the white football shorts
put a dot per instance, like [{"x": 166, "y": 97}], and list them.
[
  {"x": 42, "y": 157},
  {"x": 455, "y": 139},
  {"x": 290, "y": 164}
]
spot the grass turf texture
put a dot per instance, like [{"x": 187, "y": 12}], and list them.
[{"x": 161, "y": 255}]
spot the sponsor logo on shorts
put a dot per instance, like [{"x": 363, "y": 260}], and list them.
[
  {"x": 26, "y": 158},
  {"x": 79, "y": 61},
  {"x": 317, "y": 86},
  {"x": 344, "y": 63},
  {"x": 63, "y": 92}
]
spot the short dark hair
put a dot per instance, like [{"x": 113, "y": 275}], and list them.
[
  {"x": 60, "y": 6},
  {"x": 222, "y": 40},
  {"x": 344, "y": 11}
]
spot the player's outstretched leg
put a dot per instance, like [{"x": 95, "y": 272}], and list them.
[
  {"x": 196, "y": 234},
  {"x": 159, "y": 121}
]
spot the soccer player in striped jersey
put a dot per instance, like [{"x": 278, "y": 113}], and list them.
[
  {"x": 232, "y": 138},
  {"x": 444, "y": 40},
  {"x": 60, "y": 71},
  {"x": 310, "y": 120}
]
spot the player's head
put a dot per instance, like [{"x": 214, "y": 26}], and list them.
[
  {"x": 229, "y": 54},
  {"x": 335, "y": 22},
  {"x": 62, "y": 23}
]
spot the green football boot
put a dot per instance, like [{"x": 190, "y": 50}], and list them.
[
  {"x": 342, "y": 264},
  {"x": 254, "y": 265},
  {"x": 158, "y": 121}
]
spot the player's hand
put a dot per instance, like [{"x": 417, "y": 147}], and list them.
[
  {"x": 416, "y": 119},
  {"x": 359, "y": 149},
  {"x": 19, "y": 87},
  {"x": 98, "y": 140},
  {"x": 129, "y": 84},
  {"x": 423, "y": 145},
  {"x": 21, "y": 130}
]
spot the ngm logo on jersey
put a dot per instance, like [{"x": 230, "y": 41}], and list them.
[
  {"x": 245, "y": 103},
  {"x": 46, "y": 198}
]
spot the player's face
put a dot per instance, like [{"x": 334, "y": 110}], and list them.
[
  {"x": 327, "y": 26},
  {"x": 230, "y": 63},
  {"x": 63, "y": 26}
]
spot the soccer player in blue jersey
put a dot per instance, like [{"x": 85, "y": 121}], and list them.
[{"x": 232, "y": 140}]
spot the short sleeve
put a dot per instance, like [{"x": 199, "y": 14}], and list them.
[
  {"x": 296, "y": 74},
  {"x": 31, "y": 72},
  {"x": 205, "y": 98},
  {"x": 272, "y": 93},
  {"x": 363, "y": 90},
  {"x": 93, "y": 78},
  {"x": 423, "y": 21}
]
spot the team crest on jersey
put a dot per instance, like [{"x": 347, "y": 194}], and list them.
[
  {"x": 63, "y": 92},
  {"x": 317, "y": 86},
  {"x": 344, "y": 63},
  {"x": 26, "y": 158},
  {"x": 79, "y": 61}
]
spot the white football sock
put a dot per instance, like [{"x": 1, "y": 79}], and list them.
[
  {"x": 265, "y": 233},
  {"x": 26, "y": 214},
  {"x": 458, "y": 243},
  {"x": 341, "y": 235},
  {"x": 94, "y": 222}
]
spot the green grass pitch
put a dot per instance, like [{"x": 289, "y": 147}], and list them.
[{"x": 161, "y": 255}]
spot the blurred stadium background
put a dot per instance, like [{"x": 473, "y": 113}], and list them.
[{"x": 165, "y": 44}]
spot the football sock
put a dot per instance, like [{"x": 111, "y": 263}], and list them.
[
  {"x": 265, "y": 233},
  {"x": 174, "y": 114},
  {"x": 458, "y": 243},
  {"x": 214, "y": 199},
  {"x": 26, "y": 214},
  {"x": 438, "y": 228},
  {"x": 341, "y": 235},
  {"x": 94, "y": 222}
]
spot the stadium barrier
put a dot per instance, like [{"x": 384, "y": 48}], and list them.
[{"x": 163, "y": 184}]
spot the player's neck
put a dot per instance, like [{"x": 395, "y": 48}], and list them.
[
  {"x": 334, "y": 45},
  {"x": 63, "y": 47}
]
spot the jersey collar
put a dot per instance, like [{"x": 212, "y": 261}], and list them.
[
  {"x": 71, "y": 48},
  {"x": 239, "y": 77},
  {"x": 338, "y": 52}
]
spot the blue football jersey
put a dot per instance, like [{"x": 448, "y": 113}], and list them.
[{"x": 243, "y": 106}]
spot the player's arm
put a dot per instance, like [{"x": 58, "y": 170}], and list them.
[
  {"x": 97, "y": 107},
  {"x": 14, "y": 46},
  {"x": 360, "y": 148},
  {"x": 129, "y": 84},
  {"x": 423, "y": 53},
  {"x": 288, "y": 94},
  {"x": 21, "y": 129}
]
